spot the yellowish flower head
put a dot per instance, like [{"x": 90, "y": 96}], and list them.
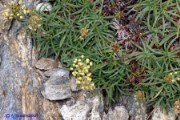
[
  {"x": 81, "y": 71},
  {"x": 84, "y": 33},
  {"x": 15, "y": 10},
  {"x": 177, "y": 106},
  {"x": 82, "y": 56},
  {"x": 139, "y": 95},
  {"x": 172, "y": 77},
  {"x": 34, "y": 22}
]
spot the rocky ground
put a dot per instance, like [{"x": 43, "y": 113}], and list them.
[
  {"x": 75, "y": 104},
  {"x": 28, "y": 85}
]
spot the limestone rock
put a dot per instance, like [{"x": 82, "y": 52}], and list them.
[
  {"x": 58, "y": 86},
  {"x": 57, "y": 73},
  {"x": 47, "y": 64},
  {"x": 74, "y": 86},
  {"x": 44, "y": 7},
  {"x": 19, "y": 82},
  {"x": 119, "y": 113},
  {"x": 162, "y": 115},
  {"x": 78, "y": 111},
  {"x": 97, "y": 108},
  {"x": 136, "y": 109},
  {"x": 87, "y": 108}
]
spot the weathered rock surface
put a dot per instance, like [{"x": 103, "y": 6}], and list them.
[
  {"x": 58, "y": 85},
  {"x": 85, "y": 108},
  {"x": 136, "y": 109},
  {"x": 19, "y": 83},
  {"x": 162, "y": 115},
  {"x": 119, "y": 113},
  {"x": 57, "y": 73},
  {"x": 44, "y": 6},
  {"x": 21, "y": 86},
  {"x": 47, "y": 64},
  {"x": 74, "y": 86},
  {"x": 79, "y": 111},
  {"x": 97, "y": 108}
]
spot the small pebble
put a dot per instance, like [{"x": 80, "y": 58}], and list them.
[{"x": 44, "y": 7}]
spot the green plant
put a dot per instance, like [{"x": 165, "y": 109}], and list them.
[
  {"x": 158, "y": 90},
  {"x": 159, "y": 53},
  {"x": 161, "y": 18},
  {"x": 159, "y": 87},
  {"x": 75, "y": 28}
]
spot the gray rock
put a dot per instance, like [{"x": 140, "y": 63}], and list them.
[
  {"x": 97, "y": 108},
  {"x": 0, "y": 60},
  {"x": 85, "y": 108},
  {"x": 18, "y": 81},
  {"x": 58, "y": 85},
  {"x": 105, "y": 117},
  {"x": 44, "y": 7},
  {"x": 136, "y": 109},
  {"x": 54, "y": 73},
  {"x": 74, "y": 86},
  {"x": 162, "y": 115},
  {"x": 79, "y": 111},
  {"x": 119, "y": 113},
  {"x": 47, "y": 64}
]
